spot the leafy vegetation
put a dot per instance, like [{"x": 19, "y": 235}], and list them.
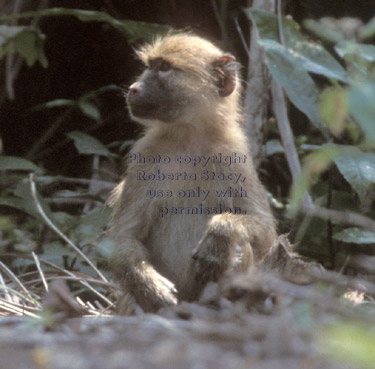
[
  {"x": 341, "y": 109},
  {"x": 78, "y": 237},
  {"x": 132, "y": 30},
  {"x": 52, "y": 226}
]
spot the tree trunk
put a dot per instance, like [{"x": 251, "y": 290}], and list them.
[{"x": 258, "y": 87}]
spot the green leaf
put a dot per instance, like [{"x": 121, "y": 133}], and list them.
[
  {"x": 23, "y": 200},
  {"x": 88, "y": 145},
  {"x": 13, "y": 202},
  {"x": 355, "y": 235},
  {"x": 324, "y": 33},
  {"x": 133, "y": 30},
  {"x": 89, "y": 109},
  {"x": 55, "y": 104},
  {"x": 314, "y": 165},
  {"x": 23, "y": 192},
  {"x": 74, "y": 194},
  {"x": 105, "y": 247},
  {"x": 106, "y": 88},
  {"x": 66, "y": 221},
  {"x": 67, "y": 193},
  {"x": 367, "y": 31},
  {"x": 92, "y": 94},
  {"x": 126, "y": 144},
  {"x": 363, "y": 51},
  {"x": 273, "y": 147},
  {"x": 358, "y": 168},
  {"x": 84, "y": 103},
  {"x": 7, "y": 33},
  {"x": 55, "y": 252},
  {"x": 23, "y": 241},
  {"x": 362, "y": 107},
  {"x": 297, "y": 83},
  {"x": 312, "y": 57},
  {"x": 57, "y": 248},
  {"x": 341, "y": 200},
  {"x": 334, "y": 108},
  {"x": 91, "y": 226},
  {"x": 24, "y": 40},
  {"x": 14, "y": 163}
]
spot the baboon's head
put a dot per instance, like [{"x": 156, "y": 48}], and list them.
[{"x": 185, "y": 77}]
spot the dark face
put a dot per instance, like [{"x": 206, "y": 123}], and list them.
[{"x": 156, "y": 95}]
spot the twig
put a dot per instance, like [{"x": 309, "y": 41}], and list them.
[
  {"x": 72, "y": 201},
  {"x": 16, "y": 280},
  {"x": 56, "y": 267},
  {"x": 220, "y": 15},
  {"x": 42, "y": 5},
  {"x": 54, "y": 147},
  {"x": 279, "y": 108},
  {"x": 240, "y": 33},
  {"x": 281, "y": 114},
  {"x": 280, "y": 23},
  {"x": 74, "y": 279},
  {"x": 16, "y": 309},
  {"x": 83, "y": 281},
  {"x": 10, "y": 71},
  {"x": 340, "y": 217},
  {"x": 50, "y": 131},
  {"x": 9, "y": 76},
  {"x": 37, "y": 262},
  {"x": 86, "y": 182},
  {"x": 33, "y": 300},
  {"x": 217, "y": 15},
  {"x": 52, "y": 226},
  {"x": 87, "y": 307},
  {"x": 8, "y": 297},
  {"x": 90, "y": 305}
]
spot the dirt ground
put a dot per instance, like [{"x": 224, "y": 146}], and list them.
[
  {"x": 256, "y": 321},
  {"x": 284, "y": 314}
]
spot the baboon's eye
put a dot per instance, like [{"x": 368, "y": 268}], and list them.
[{"x": 164, "y": 66}]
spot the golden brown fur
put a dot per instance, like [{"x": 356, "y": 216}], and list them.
[{"x": 161, "y": 258}]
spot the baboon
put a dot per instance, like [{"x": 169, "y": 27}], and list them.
[{"x": 191, "y": 206}]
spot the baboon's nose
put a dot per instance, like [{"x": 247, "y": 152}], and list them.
[{"x": 135, "y": 88}]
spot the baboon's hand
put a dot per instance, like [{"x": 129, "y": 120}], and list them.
[
  {"x": 211, "y": 257},
  {"x": 164, "y": 291},
  {"x": 158, "y": 292}
]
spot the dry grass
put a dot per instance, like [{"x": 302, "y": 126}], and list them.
[{"x": 23, "y": 295}]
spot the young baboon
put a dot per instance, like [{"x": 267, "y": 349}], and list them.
[{"x": 191, "y": 206}]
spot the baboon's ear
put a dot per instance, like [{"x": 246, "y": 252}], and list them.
[{"x": 225, "y": 69}]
